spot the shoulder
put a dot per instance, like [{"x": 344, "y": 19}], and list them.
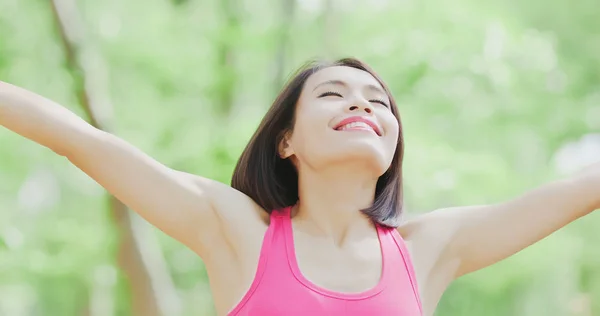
[
  {"x": 424, "y": 236},
  {"x": 238, "y": 217},
  {"x": 436, "y": 230},
  {"x": 430, "y": 228},
  {"x": 229, "y": 202},
  {"x": 428, "y": 238}
]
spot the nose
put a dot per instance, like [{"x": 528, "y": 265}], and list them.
[{"x": 362, "y": 105}]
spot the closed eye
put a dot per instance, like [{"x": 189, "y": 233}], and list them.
[
  {"x": 380, "y": 102},
  {"x": 330, "y": 93}
]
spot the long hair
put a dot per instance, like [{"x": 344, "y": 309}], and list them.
[{"x": 272, "y": 182}]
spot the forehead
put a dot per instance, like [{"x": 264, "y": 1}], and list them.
[{"x": 351, "y": 76}]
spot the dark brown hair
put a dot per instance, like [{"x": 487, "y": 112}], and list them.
[{"x": 272, "y": 182}]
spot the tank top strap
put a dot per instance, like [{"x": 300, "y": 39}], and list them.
[
  {"x": 403, "y": 249},
  {"x": 281, "y": 214},
  {"x": 272, "y": 254},
  {"x": 280, "y": 227},
  {"x": 279, "y": 219}
]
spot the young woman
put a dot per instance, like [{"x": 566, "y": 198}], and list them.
[{"x": 310, "y": 224}]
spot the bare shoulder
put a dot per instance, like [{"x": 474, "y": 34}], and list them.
[
  {"x": 418, "y": 228},
  {"x": 433, "y": 233},
  {"x": 232, "y": 246},
  {"x": 426, "y": 237},
  {"x": 429, "y": 240},
  {"x": 238, "y": 217}
]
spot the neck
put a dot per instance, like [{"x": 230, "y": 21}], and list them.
[{"x": 330, "y": 200}]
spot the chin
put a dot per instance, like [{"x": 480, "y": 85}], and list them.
[
  {"x": 375, "y": 163},
  {"x": 367, "y": 157}
]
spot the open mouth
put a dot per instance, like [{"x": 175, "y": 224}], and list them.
[{"x": 354, "y": 124}]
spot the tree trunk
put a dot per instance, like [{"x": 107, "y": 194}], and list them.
[{"x": 152, "y": 290}]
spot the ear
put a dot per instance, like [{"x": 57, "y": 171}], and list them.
[{"x": 285, "y": 146}]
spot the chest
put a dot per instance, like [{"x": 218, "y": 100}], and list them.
[
  {"x": 298, "y": 274},
  {"x": 381, "y": 305},
  {"x": 322, "y": 280},
  {"x": 354, "y": 268}
]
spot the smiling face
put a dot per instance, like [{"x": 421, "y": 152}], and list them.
[
  {"x": 329, "y": 113},
  {"x": 343, "y": 114}
]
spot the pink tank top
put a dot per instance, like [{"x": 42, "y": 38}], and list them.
[{"x": 279, "y": 288}]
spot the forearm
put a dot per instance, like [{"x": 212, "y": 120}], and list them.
[
  {"x": 41, "y": 120},
  {"x": 565, "y": 199},
  {"x": 488, "y": 234},
  {"x": 587, "y": 185}
]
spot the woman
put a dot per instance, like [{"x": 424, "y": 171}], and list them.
[{"x": 310, "y": 224}]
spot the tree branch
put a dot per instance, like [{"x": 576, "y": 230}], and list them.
[{"x": 153, "y": 292}]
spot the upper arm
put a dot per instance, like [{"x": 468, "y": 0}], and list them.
[
  {"x": 168, "y": 199},
  {"x": 451, "y": 242},
  {"x": 189, "y": 208},
  {"x": 478, "y": 236}
]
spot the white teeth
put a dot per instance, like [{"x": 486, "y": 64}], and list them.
[{"x": 353, "y": 125}]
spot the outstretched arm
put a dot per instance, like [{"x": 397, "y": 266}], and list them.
[
  {"x": 180, "y": 204},
  {"x": 475, "y": 237}
]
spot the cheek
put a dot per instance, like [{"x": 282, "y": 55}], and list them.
[
  {"x": 390, "y": 124},
  {"x": 312, "y": 121},
  {"x": 392, "y": 128},
  {"x": 394, "y": 134},
  {"x": 309, "y": 130}
]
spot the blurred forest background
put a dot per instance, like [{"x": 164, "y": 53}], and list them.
[{"x": 496, "y": 98}]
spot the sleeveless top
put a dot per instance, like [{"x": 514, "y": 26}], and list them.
[{"x": 279, "y": 288}]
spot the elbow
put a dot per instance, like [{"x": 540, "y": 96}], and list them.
[{"x": 60, "y": 151}]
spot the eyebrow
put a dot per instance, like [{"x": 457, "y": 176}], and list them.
[{"x": 341, "y": 83}]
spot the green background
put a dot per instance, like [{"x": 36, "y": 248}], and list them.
[{"x": 496, "y": 97}]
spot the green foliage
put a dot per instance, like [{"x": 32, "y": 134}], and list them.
[{"x": 488, "y": 92}]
